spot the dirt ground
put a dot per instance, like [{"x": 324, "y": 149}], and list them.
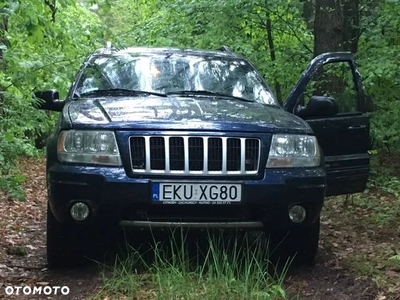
[{"x": 337, "y": 274}]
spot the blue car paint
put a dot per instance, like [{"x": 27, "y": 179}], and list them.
[{"x": 118, "y": 186}]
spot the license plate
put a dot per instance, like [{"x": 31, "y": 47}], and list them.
[{"x": 196, "y": 193}]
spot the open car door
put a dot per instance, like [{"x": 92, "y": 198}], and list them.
[{"x": 330, "y": 97}]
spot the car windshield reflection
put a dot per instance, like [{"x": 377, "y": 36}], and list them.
[{"x": 167, "y": 74}]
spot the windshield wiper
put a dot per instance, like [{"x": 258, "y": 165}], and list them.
[
  {"x": 121, "y": 92},
  {"x": 208, "y": 93}
]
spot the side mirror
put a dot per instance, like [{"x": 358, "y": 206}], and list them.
[
  {"x": 49, "y": 100},
  {"x": 318, "y": 106}
]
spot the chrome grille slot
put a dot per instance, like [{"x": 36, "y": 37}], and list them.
[
  {"x": 176, "y": 154},
  {"x": 233, "y": 154},
  {"x": 193, "y": 155},
  {"x": 252, "y": 152},
  {"x": 157, "y": 153},
  {"x": 214, "y": 154},
  {"x": 138, "y": 153},
  {"x": 196, "y": 154}
]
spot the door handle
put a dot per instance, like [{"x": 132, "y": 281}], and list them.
[{"x": 354, "y": 127}]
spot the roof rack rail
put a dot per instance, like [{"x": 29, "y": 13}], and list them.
[{"x": 225, "y": 49}]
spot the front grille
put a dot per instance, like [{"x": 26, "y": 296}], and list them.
[{"x": 195, "y": 155}]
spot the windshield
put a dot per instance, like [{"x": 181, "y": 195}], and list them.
[{"x": 174, "y": 73}]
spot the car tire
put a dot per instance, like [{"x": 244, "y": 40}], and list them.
[
  {"x": 298, "y": 246},
  {"x": 64, "y": 243}
]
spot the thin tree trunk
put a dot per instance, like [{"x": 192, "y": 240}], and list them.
[
  {"x": 309, "y": 13},
  {"x": 52, "y": 4},
  {"x": 351, "y": 24},
  {"x": 273, "y": 56},
  {"x": 4, "y": 43}
]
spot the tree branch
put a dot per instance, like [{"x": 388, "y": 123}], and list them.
[
  {"x": 53, "y": 8},
  {"x": 290, "y": 26},
  {"x": 273, "y": 56},
  {"x": 70, "y": 62}
]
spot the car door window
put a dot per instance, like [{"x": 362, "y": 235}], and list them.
[{"x": 334, "y": 80}]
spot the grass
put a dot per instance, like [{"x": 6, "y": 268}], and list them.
[
  {"x": 376, "y": 267},
  {"x": 364, "y": 227},
  {"x": 379, "y": 204},
  {"x": 211, "y": 266},
  {"x": 375, "y": 206},
  {"x": 362, "y": 232}
]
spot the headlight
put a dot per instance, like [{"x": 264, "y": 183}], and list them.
[
  {"x": 290, "y": 150},
  {"x": 91, "y": 147}
]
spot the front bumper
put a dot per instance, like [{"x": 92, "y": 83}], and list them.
[
  {"x": 202, "y": 225},
  {"x": 115, "y": 197}
]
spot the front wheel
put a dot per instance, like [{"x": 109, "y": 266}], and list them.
[
  {"x": 299, "y": 245},
  {"x": 65, "y": 243}
]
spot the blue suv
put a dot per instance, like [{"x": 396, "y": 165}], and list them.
[{"x": 165, "y": 137}]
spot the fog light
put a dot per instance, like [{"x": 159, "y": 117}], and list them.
[
  {"x": 297, "y": 213},
  {"x": 79, "y": 211}
]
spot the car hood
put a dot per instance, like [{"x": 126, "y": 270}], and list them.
[{"x": 181, "y": 113}]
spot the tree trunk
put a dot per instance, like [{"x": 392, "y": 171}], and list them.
[
  {"x": 336, "y": 26},
  {"x": 273, "y": 56},
  {"x": 351, "y": 25},
  {"x": 309, "y": 13},
  {"x": 3, "y": 43},
  {"x": 52, "y": 4},
  {"x": 328, "y": 29}
]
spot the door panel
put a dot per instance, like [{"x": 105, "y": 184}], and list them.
[
  {"x": 344, "y": 138},
  {"x": 345, "y": 143},
  {"x": 342, "y": 135}
]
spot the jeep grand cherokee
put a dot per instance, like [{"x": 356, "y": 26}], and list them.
[{"x": 165, "y": 137}]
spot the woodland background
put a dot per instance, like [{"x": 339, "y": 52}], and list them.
[{"x": 43, "y": 42}]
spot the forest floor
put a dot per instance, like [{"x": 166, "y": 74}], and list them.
[{"x": 360, "y": 235}]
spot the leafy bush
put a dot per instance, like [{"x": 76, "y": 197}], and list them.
[
  {"x": 395, "y": 257},
  {"x": 43, "y": 48},
  {"x": 378, "y": 56},
  {"x": 38, "y": 53}
]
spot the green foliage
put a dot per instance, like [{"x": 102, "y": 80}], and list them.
[
  {"x": 385, "y": 174},
  {"x": 11, "y": 149},
  {"x": 395, "y": 257},
  {"x": 42, "y": 48},
  {"x": 209, "y": 24},
  {"x": 381, "y": 199},
  {"x": 379, "y": 57},
  {"x": 242, "y": 25},
  {"x": 37, "y": 54}
]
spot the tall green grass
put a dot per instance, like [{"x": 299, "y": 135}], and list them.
[{"x": 211, "y": 266}]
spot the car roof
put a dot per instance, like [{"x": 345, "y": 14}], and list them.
[{"x": 222, "y": 52}]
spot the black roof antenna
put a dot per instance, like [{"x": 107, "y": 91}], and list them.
[{"x": 225, "y": 49}]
